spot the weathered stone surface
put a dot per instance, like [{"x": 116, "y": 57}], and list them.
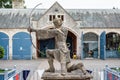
[
  {"x": 61, "y": 52},
  {"x": 74, "y": 75}
]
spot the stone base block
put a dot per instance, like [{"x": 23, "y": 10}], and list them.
[{"x": 69, "y": 76}]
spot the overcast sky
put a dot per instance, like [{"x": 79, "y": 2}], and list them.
[{"x": 75, "y": 4}]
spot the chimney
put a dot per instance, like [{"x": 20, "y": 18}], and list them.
[{"x": 17, "y": 4}]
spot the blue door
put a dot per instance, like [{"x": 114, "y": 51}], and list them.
[
  {"x": 81, "y": 50},
  {"x": 22, "y": 46},
  {"x": 46, "y": 44},
  {"x": 4, "y": 42},
  {"x": 103, "y": 45}
]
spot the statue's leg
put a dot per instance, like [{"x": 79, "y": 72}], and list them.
[
  {"x": 70, "y": 67},
  {"x": 63, "y": 69},
  {"x": 75, "y": 67},
  {"x": 50, "y": 61},
  {"x": 63, "y": 63},
  {"x": 81, "y": 67}
]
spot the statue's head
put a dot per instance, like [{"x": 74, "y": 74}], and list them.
[{"x": 57, "y": 22}]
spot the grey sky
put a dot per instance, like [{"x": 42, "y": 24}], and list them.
[{"x": 75, "y": 4}]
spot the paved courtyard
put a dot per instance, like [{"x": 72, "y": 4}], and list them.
[{"x": 39, "y": 65}]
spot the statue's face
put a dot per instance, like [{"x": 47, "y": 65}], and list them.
[{"x": 57, "y": 23}]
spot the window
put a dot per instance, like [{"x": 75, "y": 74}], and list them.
[
  {"x": 52, "y": 17},
  {"x": 112, "y": 41},
  {"x": 58, "y": 16},
  {"x": 61, "y": 17}
]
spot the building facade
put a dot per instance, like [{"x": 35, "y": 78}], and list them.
[{"x": 92, "y": 33}]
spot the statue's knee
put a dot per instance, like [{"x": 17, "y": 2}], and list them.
[
  {"x": 48, "y": 51},
  {"x": 79, "y": 65},
  {"x": 68, "y": 51}
]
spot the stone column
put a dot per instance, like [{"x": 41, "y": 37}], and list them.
[
  {"x": 79, "y": 52},
  {"x": 10, "y": 47},
  {"x": 34, "y": 46},
  {"x": 98, "y": 46}
]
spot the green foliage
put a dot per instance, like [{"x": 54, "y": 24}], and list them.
[
  {"x": 5, "y": 3},
  {"x": 2, "y": 70},
  {"x": 116, "y": 69},
  {"x": 18, "y": 0},
  {"x": 2, "y": 52},
  {"x": 119, "y": 49}
]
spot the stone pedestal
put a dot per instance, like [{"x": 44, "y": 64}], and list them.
[{"x": 69, "y": 76}]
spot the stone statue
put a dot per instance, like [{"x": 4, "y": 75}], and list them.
[{"x": 61, "y": 52}]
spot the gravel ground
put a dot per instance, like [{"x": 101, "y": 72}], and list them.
[{"x": 39, "y": 65}]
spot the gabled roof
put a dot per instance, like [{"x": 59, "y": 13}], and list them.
[
  {"x": 60, "y": 9},
  {"x": 18, "y": 18},
  {"x": 87, "y": 18},
  {"x": 96, "y": 18}
]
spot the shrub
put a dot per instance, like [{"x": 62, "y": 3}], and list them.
[
  {"x": 119, "y": 49},
  {"x": 2, "y": 52}
]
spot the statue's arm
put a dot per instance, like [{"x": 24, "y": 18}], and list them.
[
  {"x": 45, "y": 33},
  {"x": 32, "y": 30},
  {"x": 52, "y": 33}
]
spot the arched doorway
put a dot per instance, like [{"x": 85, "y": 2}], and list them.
[
  {"x": 72, "y": 43},
  {"x": 50, "y": 44},
  {"x": 45, "y": 44},
  {"x": 90, "y": 45},
  {"x": 22, "y": 46},
  {"x": 112, "y": 44},
  {"x": 4, "y": 42}
]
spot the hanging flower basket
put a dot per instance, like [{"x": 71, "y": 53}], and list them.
[{"x": 2, "y": 52}]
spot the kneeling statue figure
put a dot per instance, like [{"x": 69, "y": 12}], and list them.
[{"x": 61, "y": 52}]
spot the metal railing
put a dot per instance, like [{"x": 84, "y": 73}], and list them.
[
  {"x": 98, "y": 74},
  {"x": 111, "y": 74}
]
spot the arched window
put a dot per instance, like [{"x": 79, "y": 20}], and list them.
[{"x": 112, "y": 41}]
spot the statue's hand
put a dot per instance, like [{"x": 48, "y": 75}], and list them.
[{"x": 59, "y": 31}]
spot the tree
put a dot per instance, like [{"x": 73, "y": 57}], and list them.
[
  {"x": 2, "y": 52},
  {"x": 5, "y": 3}
]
